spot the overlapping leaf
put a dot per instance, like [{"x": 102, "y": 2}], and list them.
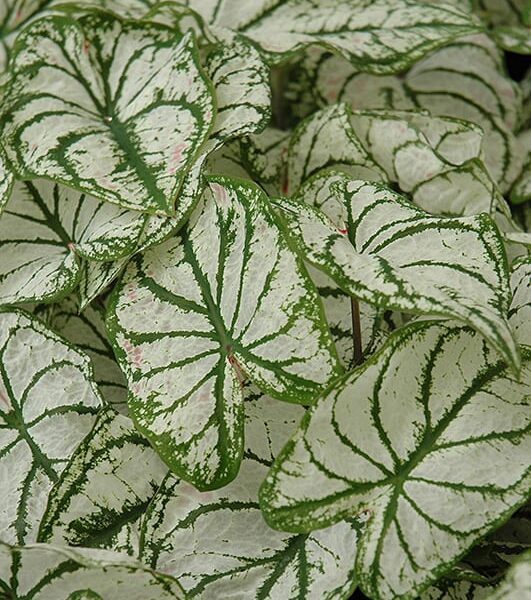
[
  {"x": 435, "y": 450},
  {"x": 48, "y": 404},
  {"x": 379, "y": 36},
  {"x": 86, "y": 330},
  {"x": 106, "y": 486},
  {"x": 368, "y": 242},
  {"x": 190, "y": 317},
  {"x": 43, "y": 230},
  {"x": 118, "y": 109},
  {"x": 60, "y": 573},
  {"x": 217, "y": 543}
]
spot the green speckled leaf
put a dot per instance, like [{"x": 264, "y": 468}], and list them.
[
  {"x": 192, "y": 317},
  {"x": 217, "y": 543},
  {"x": 117, "y": 109},
  {"x": 46, "y": 572},
  {"x": 433, "y": 450},
  {"x": 368, "y": 242},
  {"x": 48, "y": 404},
  {"x": 107, "y": 485},
  {"x": 520, "y": 311}
]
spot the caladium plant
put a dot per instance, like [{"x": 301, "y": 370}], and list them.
[{"x": 265, "y": 299}]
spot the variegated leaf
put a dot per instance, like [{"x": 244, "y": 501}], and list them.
[
  {"x": 46, "y": 572},
  {"x": 85, "y": 329},
  {"x": 379, "y": 37},
  {"x": 95, "y": 279},
  {"x": 106, "y": 486},
  {"x": 520, "y": 311},
  {"x": 48, "y": 404},
  {"x": 435, "y": 450},
  {"x": 368, "y": 241},
  {"x": 465, "y": 80},
  {"x": 217, "y": 543},
  {"x": 190, "y": 317},
  {"x": 6, "y": 182},
  {"x": 265, "y": 155},
  {"x": 326, "y": 139},
  {"x": 133, "y": 9},
  {"x": 514, "y": 39},
  {"x": 118, "y": 109},
  {"x": 43, "y": 230}
]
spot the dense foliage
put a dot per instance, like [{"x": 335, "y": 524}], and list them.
[{"x": 265, "y": 300}]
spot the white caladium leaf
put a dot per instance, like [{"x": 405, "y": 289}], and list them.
[
  {"x": 514, "y": 39},
  {"x": 50, "y": 572},
  {"x": 464, "y": 80},
  {"x": 326, "y": 139},
  {"x": 118, "y": 109},
  {"x": 433, "y": 450},
  {"x": 133, "y": 9},
  {"x": 218, "y": 545},
  {"x": 367, "y": 241},
  {"x": 520, "y": 311},
  {"x": 48, "y": 404},
  {"x": 95, "y": 279},
  {"x": 379, "y": 36},
  {"x": 107, "y": 484},
  {"x": 190, "y": 317},
  {"x": 86, "y": 330},
  {"x": 265, "y": 155},
  {"x": 43, "y": 229}
]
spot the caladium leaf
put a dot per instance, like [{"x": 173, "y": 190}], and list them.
[
  {"x": 327, "y": 138},
  {"x": 226, "y": 297},
  {"x": 107, "y": 484},
  {"x": 43, "y": 229},
  {"x": 367, "y": 243},
  {"x": 85, "y": 329},
  {"x": 96, "y": 277},
  {"x": 520, "y": 311},
  {"x": 434, "y": 451},
  {"x": 48, "y": 403},
  {"x": 265, "y": 154},
  {"x": 62, "y": 573},
  {"x": 217, "y": 543},
  {"x": 379, "y": 37},
  {"x": 118, "y": 109},
  {"x": 6, "y": 182},
  {"x": 514, "y": 39}
]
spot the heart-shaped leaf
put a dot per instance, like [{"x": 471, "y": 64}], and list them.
[
  {"x": 434, "y": 450},
  {"x": 228, "y": 297},
  {"x": 43, "y": 229},
  {"x": 108, "y": 483},
  {"x": 520, "y": 311},
  {"x": 368, "y": 239},
  {"x": 217, "y": 543},
  {"x": 48, "y": 404},
  {"x": 62, "y": 573},
  {"x": 118, "y": 109}
]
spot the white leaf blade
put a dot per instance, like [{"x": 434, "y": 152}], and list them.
[
  {"x": 48, "y": 405},
  {"x": 417, "y": 454},
  {"x": 214, "y": 319}
]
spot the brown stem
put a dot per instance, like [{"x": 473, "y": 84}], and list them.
[{"x": 356, "y": 330}]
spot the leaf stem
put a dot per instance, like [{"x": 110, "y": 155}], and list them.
[{"x": 356, "y": 330}]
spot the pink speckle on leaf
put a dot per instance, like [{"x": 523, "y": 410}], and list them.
[
  {"x": 233, "y": 361},
  {"x": 343, "y": 231},
  {"x": 71, "y": 246},
  {"x": 86, "y": 46},
  {"x": 220, "y": 193},
  {"x": 176, "y": 157}
]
